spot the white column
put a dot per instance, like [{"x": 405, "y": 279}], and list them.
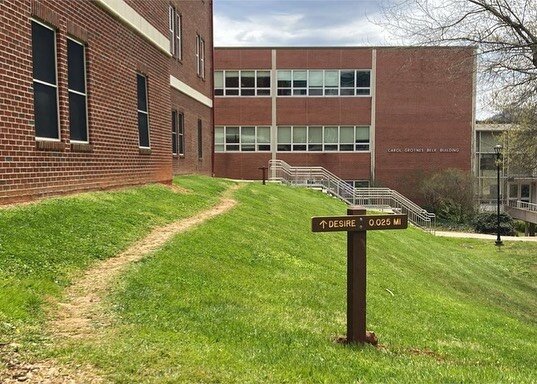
[
  {"x": 373, "y": 112},
  {"x": 273, "y": 124}
]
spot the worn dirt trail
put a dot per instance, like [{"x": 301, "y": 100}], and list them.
[{"x": 80, "y": 314}]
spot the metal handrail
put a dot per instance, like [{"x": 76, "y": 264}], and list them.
[{"x": 377, "y": 198}]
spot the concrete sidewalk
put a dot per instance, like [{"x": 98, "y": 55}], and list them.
[{"x": 483, "y": 236}]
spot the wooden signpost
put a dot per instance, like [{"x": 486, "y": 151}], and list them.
[{"x": 356, "y": 223}]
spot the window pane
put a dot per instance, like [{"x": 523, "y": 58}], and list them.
[
  {"x": 77, "y": 117},
  {"x": 299, "y": 135},
  {"x": 200, "y": 138},
  {"x": 263, "y": 134},
  {"x": 232, "y": 135},
  {"x": 347, "y": 92},
  {"x": 299, "y": 79},
  {"x": 232, "y": 79},
  {"x": 263, "y": 79},
  {"x": 75, "y": 65},
  {"x": 218, "y": 92},
  {"x": 248, "y": 135},
  {"x": 142, "y": 96},
  {"x": 174, "y": 132},
  {"x": 218, "y": 79},
  {"x": 284, "y": 92},
  {"x": 300, "y": 92},
  {"x": 315, "y": 135},
  {"x": 219, "y": 135},
  {"x": 263, "y": 147},
  {"x": 362, "y": 92},
  {"x": 284, "y": 135},
  {"x": 232, "y": 92},
  {"x": 263, "y": 92},
  {"x": 362, "y": 134},
  {"x": 44, "y": 53},
  {"x": 488, "y": 141},
  {"x": 284, "y": 147},
  {"x": 362, "y": 78},
  {"x": 331, "y": 135},
  {"x": 346, "y": 135},
  {"x": 316, "y": 91},
  {"x": 347, "y": 79},
  {"x": 316, "y": 79},
  {"x": 180, "y": 123},
  {"x": 174, "y": 143},
  {"x": 248, "y": 79},
  {"x": 284, "y": 79},
  {"x": 143, "y": 129},
  {"x": 219, "y": 148},
  {"x": 331, "y": 78},
  {"x": 247, "y": 92},
  {"x": 45, "y": 111},
  {"x": 331, "y": 92}
]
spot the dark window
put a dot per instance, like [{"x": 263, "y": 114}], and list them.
[
  {"x": 200, "y": 140},
  {"x": 178, "y": 137},
  {"x": 181, "y": 133},
  {"x": 44, "y": 82},
  {"x": 174, "y": 132},
  {"x": 76, "y": 73},
  {"x": 143, "y": 115},
  {"x": 363, "y": 79}
]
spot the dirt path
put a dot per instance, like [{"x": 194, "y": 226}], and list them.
[{"x": 80, "y": 313}]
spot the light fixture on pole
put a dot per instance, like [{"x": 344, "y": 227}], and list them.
[{"x": 498, "y": 152}]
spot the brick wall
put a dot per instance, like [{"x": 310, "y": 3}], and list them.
[
  {"x": 424, "y": 100},
  {"x": 115, "y": 54}
]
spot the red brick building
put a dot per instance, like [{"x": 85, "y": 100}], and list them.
[
  {"x": 103, "y": 93},
  {"x": 381, "y": 116}
]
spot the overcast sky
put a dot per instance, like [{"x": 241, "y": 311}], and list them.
[{"x": 297, "y": 22}]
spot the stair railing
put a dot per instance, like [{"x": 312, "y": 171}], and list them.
[{"x": 372, "y": 198}]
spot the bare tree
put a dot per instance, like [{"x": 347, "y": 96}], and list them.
[
  {"x": 503, "y": 31},
  {"x": 521, "y": 142}
]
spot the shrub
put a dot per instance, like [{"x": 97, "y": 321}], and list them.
[
  {"x": 487, "y": 223},
  {"x": 450, "y": 195}
]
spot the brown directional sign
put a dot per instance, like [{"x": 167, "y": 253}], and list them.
[{"x": 358, "y": 223}]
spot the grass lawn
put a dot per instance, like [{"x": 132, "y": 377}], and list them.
[
  {"x": 253, "y": 296},
  {"x": 44, "y": 245}
]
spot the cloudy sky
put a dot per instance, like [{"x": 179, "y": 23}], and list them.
[{"x": 297, "y": 22}]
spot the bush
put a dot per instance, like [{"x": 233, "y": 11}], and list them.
[
  {"x": 450, "y": 195},
  {"x": 487, "y": 223}
]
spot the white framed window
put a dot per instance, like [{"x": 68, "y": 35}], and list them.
[
  {"x": 45, "y": 82},
  {"x": 200, "y": 56},
  {"x": 327, "y": 82},
  {"x": 76, "y": 79},
  {"x": 143, "y": 111},
  {"x": 242, "y": 83},
  {"x": 242, "y": 139},
  {"x": 175, "y": 32},
  {"x": 329, "y": 138}
]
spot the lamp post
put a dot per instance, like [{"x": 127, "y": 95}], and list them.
[{"x": 498, "y": 151}]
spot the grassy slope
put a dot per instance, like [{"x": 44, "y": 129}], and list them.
[
  {"x": 254, "y": 296},
  {"x": 44, "y": 244}
]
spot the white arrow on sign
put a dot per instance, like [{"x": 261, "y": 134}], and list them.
[{"x": 323, "y": 223}]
